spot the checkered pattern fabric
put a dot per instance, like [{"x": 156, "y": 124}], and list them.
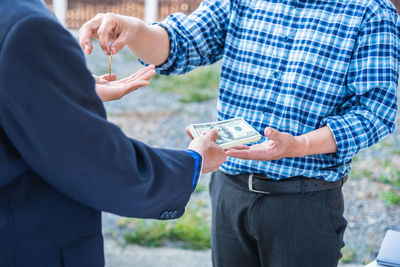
[{"x": 296, "y": 66}]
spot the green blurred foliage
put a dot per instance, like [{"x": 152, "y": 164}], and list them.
[
  {"x": 198, "y": 85},
  {"x": 192, "y": 230}
]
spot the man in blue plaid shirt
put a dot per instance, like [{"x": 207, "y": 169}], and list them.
[{"x": 317, "y": 77}]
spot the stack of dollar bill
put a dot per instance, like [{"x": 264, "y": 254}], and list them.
[{"x": 233, "y": 132}]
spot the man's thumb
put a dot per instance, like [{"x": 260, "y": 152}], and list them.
[
  {"x": 117, "y": 45},
  {"x": 212, "y": 135},
  {"x": 109, "y": 77},
  {"x": 271, "y": 133}
]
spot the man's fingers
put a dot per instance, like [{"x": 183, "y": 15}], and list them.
[
  {"x": 146, "y": 71},
  {"x": 271, "y": 133},
  {"x": 142, "y": 84},
  {"x": 97, "y": 79},
  {"x": 129, "y": 87},
  {"x": 88, "y": 31},
  {"x": 119, "y": 88},
  {"x": 86, "y": 45},
  {"x": 241, "y": 147},
  {"x": 138, "y": 75},
  {"x": 105, "y": 79},
  {"x": 144, "y": 76},
  {"x": 255, "y": 152},
  {"x": 247, "y": 154},
  {"x": 204, "y": 171},
  {"x": 118, "y": 44},
  {"x": 212, "y": 135},
  {"x": 106, "y": 32},
  {"x": 135, "y": 75},
  {"x": 241, "y": 154},
  {"x": 148, "y": 74},
  {"x": 216, "y": 168},
  {"x": 189, "y": 133},
  {"x": 109, "y": 77}
]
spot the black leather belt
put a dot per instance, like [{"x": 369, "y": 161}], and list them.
[{"x": 298, "y": 184}]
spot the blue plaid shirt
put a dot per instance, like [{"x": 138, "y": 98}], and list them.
[{"x": 296, "y": 66}]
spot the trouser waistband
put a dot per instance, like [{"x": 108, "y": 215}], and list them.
[{"x": 298, "y": 184}]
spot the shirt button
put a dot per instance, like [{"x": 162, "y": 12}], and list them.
[{"x": 276, "y": 74}]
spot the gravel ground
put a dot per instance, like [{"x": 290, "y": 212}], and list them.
[
  {"x": 133, "y": 255},
  {"x": 159, "y": 119}
]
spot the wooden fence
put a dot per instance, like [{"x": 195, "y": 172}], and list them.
[{"x": 79, "y": 11}]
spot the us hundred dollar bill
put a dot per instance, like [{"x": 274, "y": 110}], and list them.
[{"x": 233, "y": 132}]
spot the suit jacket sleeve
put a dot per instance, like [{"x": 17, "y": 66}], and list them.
[{"x": 52, "y": 115}]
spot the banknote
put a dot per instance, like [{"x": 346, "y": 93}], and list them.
[{"x": 232, "y": 132}]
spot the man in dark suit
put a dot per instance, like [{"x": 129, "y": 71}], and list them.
[{"x": 61, "y": 162}]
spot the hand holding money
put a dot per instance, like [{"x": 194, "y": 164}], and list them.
[
  {"x": 213, "y": 155},
  {"x": 231, "y": 133},
  {"x": 108, "y": 88},
  {"x": 279, "y": 145}
]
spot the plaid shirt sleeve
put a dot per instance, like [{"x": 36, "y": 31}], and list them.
[
  {"x": 369, "y": 115},
  {"x": 197, "y": 39}
]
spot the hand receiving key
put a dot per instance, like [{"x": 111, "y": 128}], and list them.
[{"x": 108, "y": 88}]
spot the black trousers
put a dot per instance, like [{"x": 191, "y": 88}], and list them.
[{"x": 277, "y": 230}]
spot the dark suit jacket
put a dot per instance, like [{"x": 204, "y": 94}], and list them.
[{"x": 61, "y": 162}]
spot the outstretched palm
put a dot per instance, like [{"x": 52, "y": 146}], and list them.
[
  {"x": 108, "y": 88},
  {"x": 280, "y": 145}
]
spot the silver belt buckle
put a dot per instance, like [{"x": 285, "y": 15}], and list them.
[{"x": 251, "y": 186}]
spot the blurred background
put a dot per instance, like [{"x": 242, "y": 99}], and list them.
[
  {"x": 158, "y": 116},
  {"x": 74, "y": 13}
]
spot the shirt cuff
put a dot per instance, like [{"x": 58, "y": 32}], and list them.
[
  {"x": 343, "y": 135},
  {"x": 198, "y": 166}
]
